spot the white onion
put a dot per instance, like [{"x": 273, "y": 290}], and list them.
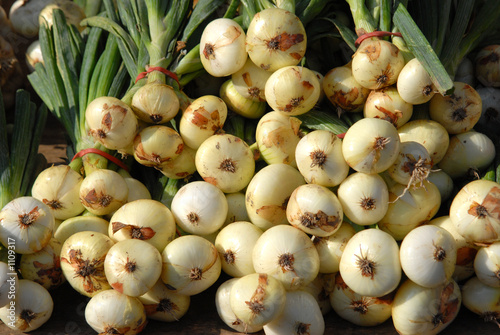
[
  {"x": 414, "y": 84},
  {"x": 222, "y": 47},
  {"x": 319, "y": 158},
  {"x": 164, "y": 305},
  {"x": 157, "y": 145},
  {"x": 371, "y": 145},
  {"x": 191, "y": 264},
  {"x": 250, "y": 81},
  {"x": 183, "y": 166},
  {"x": 237, "y": 103},
  {"x": 474, "y": 211},
  {"x": 225, "y": 161},
  {"x": 428, "y": 254},
  {"x": 268, "y": 192},
  {"x": 199, "y": 208},
  {"x": 387, "y": 104},
  {"x": 301, "y": 315},
  {"x": 144, "y": 219},
  {"x": 370, "y": 263},
  {"x": 292, "y": 90},
  {"x": 425, "y": 311},
  {"x": 330, "y": 248},
  {"x": 26, "y": 224},
  {"x": 58, "y": 187},
  {"x": 82, "y": 262},
  {"x": 364, "y": 198},
  {"x": 155, "y": 103},
  {"x": 314, "y": 209},
  {"x": 482, "y": 299},
  {"x": 223, "y": 305},
  {"x": 377, "y": 64},
  {"x": 257, "y": 299},
  {"x": 237, "y": 210},
  {"x": 113, "y": 312},
  {"x": 487, "y": 264},
  {"x": 287, "y": 254},
  {"x": 443, "y": 182},
  {"x": 277, "y": 136},
  {"x": 413, "y": 164},
  {"x": 468, "y": 153},
  {"x": 358, "y": 309},
  {"x": 23, "y": 16},
  {"x": 80, "y": 223},
  {"x": 31, "y": 307},
  {"x": 235, "y": 243},
  {"x": 459, "y": 111},
  {"x": 320, "y": 288},
  {"x": 275, "y": 38},
  {"x": 486, "y": 65}
]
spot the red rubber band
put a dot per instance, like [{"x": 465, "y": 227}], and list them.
[
  {"x": 374, "y": 34},
  {"x": 160, "y": 69},
  {"x": 103, "y": 154},
  {"x": 341, "y": 136}
]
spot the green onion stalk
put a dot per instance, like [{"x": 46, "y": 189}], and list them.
[{"x": 20, "y": 161}]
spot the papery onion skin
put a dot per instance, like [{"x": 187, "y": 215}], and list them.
[
  {"x": 155, "y": 103},
  {"x": 292, "y": 90},
  {"x": 414, "y": 84},
  {"x": 80, "y": 223},
  {"x": 474, "y": 211},
  {"x": 250, "y": 81},
  {"x": 275, "y": 38},
  {"x": 377, "y": 64},
  {"x": 257, "y": 299},
  {"x": 157, "y": 145},
  {"x": 487, "y": 264},
  {"x": 343, "y": 91},
  {"x": 482, "y": 299},
  {"x": 164, "y": 305},
  {"x": 458, "y": 112},
  {"x": 387, "y": 104},
  {"x": 419, "y": 310}
]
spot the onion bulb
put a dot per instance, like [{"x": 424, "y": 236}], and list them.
[
  {"x": 292, "y": 90},
  {"x": 58, "y": 187},
  {"x": 475, "y": 211},
  {"x": 157, "y": 145},
  {"x": 225, "y": 161},
  {"x": 287, "y": 254},
  {"x": 431, "y": 134},
  {"x": 425, "y": 311},
  {"x": 486, "y": 65},
  {"x": 223, "y": 305},
  {"x": 144, "y": 219},
  {"x": 487, "y": 264},
  {"x": 111, "y": 122},
  {"x": 112, "y": 312},
  {"x": 164, "y": 305},
  {"x": 468, "y": 154},
  {"x": 428, "y": 254},
  {"x": 103, "y": 191},
  {"x": 388, "y": 105},
  {"x": 31, "y": 307},
  {"x": 459, "y": 111},
  {"x": 235, "y": 243},
  {"x": 413, "y": 164},
  {"x": 371, "y": 145},
  {"x": 191, "y": 264},
  {"x": 370, "y": 263},
  {"x": 257, "y": 299},
  {"x": 364, "y": 198},
  {"x": 23, "y": 16},
  {"x": 80, "y": 223},
  {"x": 482, "y": 300},
  {"x": 132, "y": 267},
  {"x": 155, "y": 103},
  {"x": 315, "y": 210},
  {"x": 275, "y": 38},
  {"x": 199, "y": 208},
  {"x": 414, "y": 84},
  {"x": 319, "y": 158},
  {"x": 82, "y": 262},
  {"x": 183, "y": 166},
  {"x": 222, "y": 47},
  {"x": 301, "y": 315},
  {"x": 203, "y": 118},
  {"x": 44, "y": 266},
  {"x": 268, "y": 192},
  {"x": 361, "y": 310},
  {"x": 330, "y": 248},
  {"x": 489, "y": 121},
  {"x": 377, "y": 63},
  {"x": 343, "y": 91},
  {"x": 26, "y": 224},
  {"x": 277, "y": 136},
  {"x": 250, "y": 81},
  {"x": 237, "y": 103}
]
